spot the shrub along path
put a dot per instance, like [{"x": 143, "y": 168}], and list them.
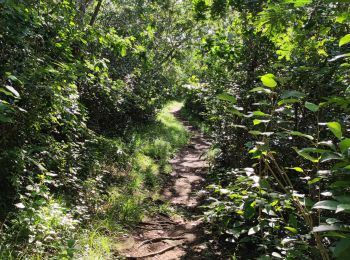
[{"x": 180, "y": 237}]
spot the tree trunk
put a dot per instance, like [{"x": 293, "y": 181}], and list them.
[{"x": 94, "y": 15}]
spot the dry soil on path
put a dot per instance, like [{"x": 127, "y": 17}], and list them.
[{"x": 182, "y": 237}]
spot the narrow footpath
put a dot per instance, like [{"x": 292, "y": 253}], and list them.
[{"x": 181, "y": 237}]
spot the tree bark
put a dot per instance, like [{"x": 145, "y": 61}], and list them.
[{"x": 96, "y": 11}]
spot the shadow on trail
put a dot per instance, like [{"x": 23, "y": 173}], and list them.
[{"x": 186, "y": 236}]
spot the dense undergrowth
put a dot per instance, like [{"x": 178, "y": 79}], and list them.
[
  {"x": 81, "y": 151},
  {"x": 272, "y": 86},
  {"x": 133, "y": 167},
  {"x": 80, "y": 85}
]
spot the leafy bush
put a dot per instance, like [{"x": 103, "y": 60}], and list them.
[{"x": 274, "y": 93}]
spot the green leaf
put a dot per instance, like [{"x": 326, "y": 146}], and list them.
[
  {"x": 259, "y": 121},
  {"x": 239, "y": 126},
  {"x": 298, "y": 3},
  {"x": 345, "y": 55},
  {"x": 311, "y": 106},
  {"x": 305, "y": 153},
  {"x": 340, "y": 184},
  {"x": 326, "y": 204},
  {"x": 327, "y": 156},
  {"x": 260, "y": 113},
  {"x": 227, "y": 97},
  {"x": 253, "y": 132},
  {"x": 123, "y": 51},
  {"x": 297, "y": 169},
  {"x": 288, "y": 101},
  {"x": 344, "y": 40},
  {"x": 12, "y": 90},
  {"x": 20, "y": 205},
  {"x": 342, "y": 207},
  {"x": 344, "y": 145},
  {"x": 249, "y": 210},
  {"x": 342, "y": 248},
  {"x": 323, "y": 228},
  {"x": 261, "y": 89},
  {"x": 13, "y": 78},
  {"x": 234, "y": 111},
  {"x": 292, "y": 93},
  {"x": 5, "y": 119},
  {"x": 344, "y": 199},
  {"x": 291, "y": 229},
  {"x": 253, "y": 230},
  {"x": 296, "y": 133},
  {"x": 268, "y": 80},
  {"x": 314, "y": 180},
  {"x": 335, "y": 127}
]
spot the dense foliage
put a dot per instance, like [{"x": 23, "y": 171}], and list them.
[
  {"x": 272, "y": 82},
  {"x": 82, "y": 141},
  {"x": 77, "y": 78}
]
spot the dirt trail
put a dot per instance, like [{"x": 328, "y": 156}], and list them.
[{"x": 182, "y": 237}]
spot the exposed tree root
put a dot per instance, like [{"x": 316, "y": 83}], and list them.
[
  {"x": 155, "y": 253},
  {"x": 158, "y": 239}
]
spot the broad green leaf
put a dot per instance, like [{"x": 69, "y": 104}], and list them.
[
  {"x": 328, "y": 143},
  {"x": 239, "y": 126},
  {"x": 297, "y": 169},
  {"x": 323, "y": 228},
  {"x": 227, "y": 97},
  {"x": 123, "y": 51},
  {"x": 311, "y": 106},
  {"x": 235, "y": 112},
  {"x": 253, "y": 132},
  {"x": 342, "y": 18},
  {"x": 6, "y": 92},
  {"x": 13, "y": 78},
  {"x": 344, "y": 145},
  {"x": 327, "y": 156},
  {"x": 286, "y": 241},
  {"x": 249, "y": 210},
  {"x": 277, "y": 255},
  {"x": 344, "y": 40},
  {"x": 304, "y": 153},
  {"x": 20, "y": 205},
  {"x": 296, "y": 133},
  {"x": 326, "y": 204},
  {"x": 261, "y": 89},
  {"x": 342, "y": 207},
  {"x": 259, "y": 113},
  {"x": 288, "y": 101},
  {"x": 268, "y": 80},
  {"x": 342, "y": 248},
  {"x": 259, "y": 121},
  {"x": 12, "y": 90},
  {"x": 291, "y": 229},
  {"x": 253, "y": 230},
  {"x": 314, "y": 180},
  {"x": 292, "y": 93},
  {"x": 344, "y": 199},
  {"x": 332, "y": 221},
  {"x": 335, "y": 127},
  {"x": 345, "y": 55}
]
